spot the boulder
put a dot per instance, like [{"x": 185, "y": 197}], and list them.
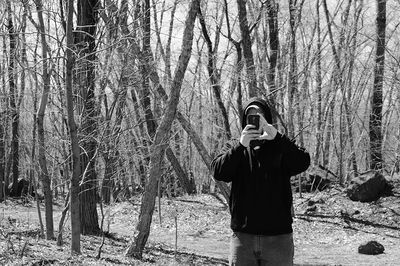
[
  {"x": 371, "y": 248},
  {"x": 367, "y": 187}
]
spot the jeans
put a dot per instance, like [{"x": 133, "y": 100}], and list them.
[{"x": 248, "y": 249}]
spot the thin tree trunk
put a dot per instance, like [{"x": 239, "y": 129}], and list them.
[
  {"x": 161, "y": 139},
  {"x": 247, "y": 52},
  {"x": 292, "y": 75},
  {"x": 12, "y": 103},
  {"x": 160, "y": 90},
  {"x": 375, "y": 123},
  {"x": 2, "y": 153},
  {"x": 319, "y": 135},
  {"x": 44, "y": 174},
  {"x": 74, "y": 190},
  {"x": 145, "y": 92},
  {"x": 149, "y": 116},
  {"x": 353, "y": 48},
  {"x": 113, "y": 137},
  {"x": 272, "y": 8},
  {"x": 214, "y": 77}
]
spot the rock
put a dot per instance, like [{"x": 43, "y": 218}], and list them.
[
  {"x": 368, "y": 187},
  {"x": 371, "y": 248}
]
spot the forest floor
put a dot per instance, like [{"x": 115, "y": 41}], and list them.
[{"x": 328, "y": 228}]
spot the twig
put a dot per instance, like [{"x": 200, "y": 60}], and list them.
[
  {"x": 23, "y": 249},
  {"x": 61, "y": 224}
]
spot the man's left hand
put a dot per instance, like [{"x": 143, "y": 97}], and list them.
[{"x": 268, "y": 131}]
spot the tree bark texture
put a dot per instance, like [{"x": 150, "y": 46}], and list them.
[
  {"x": 292, "y": 75},
  {"x": 318, "y": 144},
  {"x": 161, "y": 138},
  {"x": 251, "y": 77},
  {"x": 272, "y": 9},
  {"x": 2, "y": 153},
  {"x": 12, "y": 102},
  {"x": 215, "y": 78},
  {"x": 73, "y": 132},
  {"x": 44, "y": 174},
  {"x": 87, "y": 24},
  {"x": 375, "y": 123}
]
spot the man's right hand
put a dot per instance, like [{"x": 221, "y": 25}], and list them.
[{"x": 249, "y": 133}]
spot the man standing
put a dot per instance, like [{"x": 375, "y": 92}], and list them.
[{"x": 260, "y": 166}]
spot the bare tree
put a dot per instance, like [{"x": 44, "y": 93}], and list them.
[
  {"x": 247, "y": 52},
  {"x": 2, "y": 152},
  {"x": 87, "y": 17},
  {"x": 13, "y": 101},
  {"x": 73, "y": 132},
  {"x": 375, "y": 123},
  {"x": 213, "y": 73},
  {"x": 44, "y": 174},
  {"x": 161, "y": 139}
]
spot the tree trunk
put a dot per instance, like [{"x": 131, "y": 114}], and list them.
[
  {"x": 149, "y": 116},
  {"x": 247, "y": 52},
  {"x": 180, "y": 173},
  {"x": 87, "y": 24},
  {"x": 74, "y": 189},
  {"x": 145, "y": 92},
  {"x": 113, "y": 137},
  {"x": 375, "y": 123},
  {"x": 215, "y": 78},
  {"x": 12, "y": 104},
  {"x": 161, "y": 139},
  {"x": 2, "y": 152},
  {"x": 272, "y": 8},
  {"x": 44, "y": 174},
  {"x": 182, "y": 120},
  {"x": 292, "y": 75},
  {"x": 318, "y": 134}
]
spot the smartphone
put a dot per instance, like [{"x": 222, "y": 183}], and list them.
[{"x": 254, "y": 120}]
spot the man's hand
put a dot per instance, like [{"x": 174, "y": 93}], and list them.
[
  {"x": 268, "y": 131},
  {"x": 249, "y": 133}
]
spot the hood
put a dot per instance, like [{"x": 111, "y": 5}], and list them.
[{"x": 263, "y": 106}]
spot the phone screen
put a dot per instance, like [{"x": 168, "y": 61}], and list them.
[{"x": 254, "y": 120}]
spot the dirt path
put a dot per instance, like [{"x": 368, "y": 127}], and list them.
[{"x": 325, "y": 236}]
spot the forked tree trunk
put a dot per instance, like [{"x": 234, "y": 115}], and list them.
[
  {"x": 74, "y": 189},
  {"x": 161, "y": 139},
  {"x": 44, "y": 174},
  {"x": 375, "y": 123},
  {"x": 149, "y": 116},
  {"x": 182, "y": 120}
]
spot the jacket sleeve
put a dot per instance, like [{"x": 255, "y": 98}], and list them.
[
  {"x": 225, "y": 165},
  {"x": 295, "y": 159}
]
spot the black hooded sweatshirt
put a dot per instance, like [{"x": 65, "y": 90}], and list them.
[{"x": 261, "y": 197}]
